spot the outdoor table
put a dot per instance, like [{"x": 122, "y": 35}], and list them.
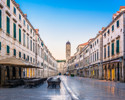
[
  {"x": 33, "y": 82},
  {"x": 14, "y": 83},
  {"x": 54, "y": 82}
]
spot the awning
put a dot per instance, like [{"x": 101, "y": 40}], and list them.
[{"x": 13, "y": 61}]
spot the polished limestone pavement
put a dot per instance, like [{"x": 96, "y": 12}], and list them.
[
  {"x": 72, "y": 88},
  {"x": 92, "y": 89},
  {"x": 37, "y": 93}
]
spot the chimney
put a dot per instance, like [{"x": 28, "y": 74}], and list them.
[
  {"x": 100, "y": 31},
  {"x": 114, "y": 16},
  {"x": 103, "y": 28},
  {"x": 18, "y": 6},
  {"x": 122, "y": 8},
  {"x": 25, "y": 15},
  {"x": 37, "y": 31}
]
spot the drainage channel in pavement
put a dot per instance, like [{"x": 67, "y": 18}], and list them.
[{"x": 73, "y": 95}]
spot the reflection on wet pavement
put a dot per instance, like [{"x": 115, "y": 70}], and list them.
[
  {"x": 72, "y": 87},
  {"x": 91, "y": 89},
  {"x": 39, "y": 93}
]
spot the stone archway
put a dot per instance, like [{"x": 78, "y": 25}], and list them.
[
  {"x": 0, "y": 74},
  {"x": 113, "y": 72},
  {"x": 109, "y": 72}
]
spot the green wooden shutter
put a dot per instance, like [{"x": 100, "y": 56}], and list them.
[
  {"x": 8, "y": 25},
  {"x": 20, "y": 54},
  {"x": 8, "y": 3},
  {"x": 14, "y": 10},
  {"x": 8, "y": 49},
  {"x": 14, "y": 30},
  {"x": 108, "y": 51},
  {"x": 117, "y": 47},
  {"x": 118, "y": 23},
  {"x": 0, "y": 19},
  {"x": 19, "y": 35},
  {"x": 14, "y": 52},
  {"x": 112, "y": 27},
  {"x": 112, "y": 48},
  {"x": 0, "y": 45}
]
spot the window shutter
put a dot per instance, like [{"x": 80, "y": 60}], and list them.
[
  {"x": 20, "y": 35},
  {"x": 20, "y": 54},
  {"x": 0, "y": 19},
  {"x": 112, "y": 48},
  {"x": 14, "y": 30},
  {"x": 8, "y": 49},
  {"x": 117, "y": 48},
  {"x": 118, "y": 23},
  {"x": 8, "y": 25},
  {"x": 112, "y": 27},
  {"x": 0, "y": 45},
  {"x": 8, "y": 3},
  {"x": 14, "y": 52}
]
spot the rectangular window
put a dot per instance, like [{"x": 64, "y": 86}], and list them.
[
  {"x": 24, "y": 56},
  {"x": 0, "y": 19},
  {"x": 118, "y": 23},
  {"x": 14, "y": 52},
  {"x": 105, "y": 35},
  {"x": 19, "y": 17},
  {"x": 24, "y": 39},
  {"x": 24, "y": 23},
  {"x": 108, "y": 51},
  {"x": 19, "y": 35},
  {"x": 27, "y": 58},
  {"x": 8, "y": 3},
  {"x": 27, "y": 26},
  {"x": 28, "y": 42},
  {"x": 8, "y": 25},
  {"x": 8, "y": 49},
  {"x": 105, "y": 52},
  {"x": 14, "y": 10},
  {"x": 117, "y": 46},
  {"x": 31, "y": 45},
  {"x": 0, "y": 46},
  {"x": 31, "y": 59},
  {"x": 19, "y": 54},
  {"x": 108, "y": 31},
  {"x": 97, "y": 55},
  {"x": 30, "y": 30},
  {"x": 112, "y": 48},
  {"x": 93, "y": 57},
  {"x": 14, "y": 30},
  {"x": 112, "y": 28}
]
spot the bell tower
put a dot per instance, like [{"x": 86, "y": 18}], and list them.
[{"x": 68, "y": 50}]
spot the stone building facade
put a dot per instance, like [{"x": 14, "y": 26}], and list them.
[
  {"x": 103, "y": 56},
  {"x": 21, "y": 42}
]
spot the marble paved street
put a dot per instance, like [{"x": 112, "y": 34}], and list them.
[
  {"x": 92, "y": 89},
  {"x": 37, "y": 93},
  {"x": 72, "y": 88}
]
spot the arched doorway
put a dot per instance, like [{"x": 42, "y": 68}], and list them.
[
  {"x": 109, "y": 72},
  {"x": 105, "y": 72},
  {"x": 113, "y": 72},
  {"x": 0, "y": 74},
  {"x": 118, "y": 73},
  {"x": 14, "y": 72},
  {"x": 7, "y": 73},
  {"x": 20, "y": 72}
]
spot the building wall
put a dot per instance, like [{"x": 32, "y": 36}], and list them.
[{"x": 32, "y": 48}]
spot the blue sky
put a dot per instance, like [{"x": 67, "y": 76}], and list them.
[{"x": 73, "y": 20}]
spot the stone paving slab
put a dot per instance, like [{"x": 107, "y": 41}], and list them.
[
  {"x": 39, "y": 93},
  {"x": 93, "y": 89}
]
